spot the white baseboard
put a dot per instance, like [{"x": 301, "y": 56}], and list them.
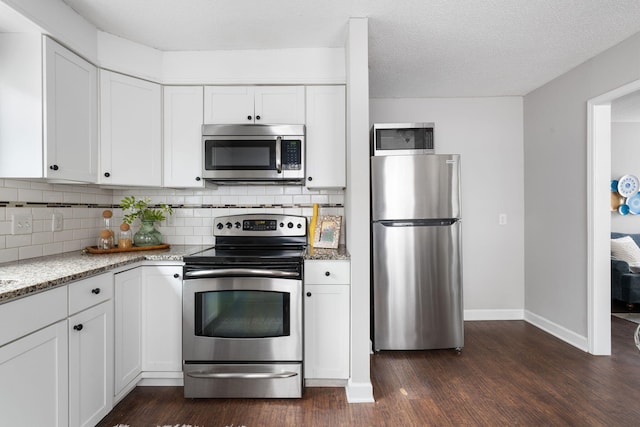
[
  {"x": 557, "y": 331},
  {"x": 511, "y": 314},
  {"x": 359, "y": 392},
  {"x": 161, "y": 379}
]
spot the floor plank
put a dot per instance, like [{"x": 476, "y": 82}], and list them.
[{"x": 509, "y": 373}]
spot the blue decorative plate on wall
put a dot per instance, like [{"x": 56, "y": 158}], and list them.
[
  {"x": 634, "y": 204},
  {"x": 623, "y": 209},
  {"x": 628, "y": 185}
]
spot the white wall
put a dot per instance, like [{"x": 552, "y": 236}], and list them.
[
  {"x": 625, "y": 155},
  {"x": 487, "y": 133},
  {"x": 555, "y": 152}
]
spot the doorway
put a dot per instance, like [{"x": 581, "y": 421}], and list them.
[{"x": 599, "y": 217}]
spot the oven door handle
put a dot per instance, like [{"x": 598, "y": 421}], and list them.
[
  {"x": 224, "y": 272},
  {"x": 242, "y": 375}
]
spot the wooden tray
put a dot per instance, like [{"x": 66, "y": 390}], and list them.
[{"x": 95, "y": 250}]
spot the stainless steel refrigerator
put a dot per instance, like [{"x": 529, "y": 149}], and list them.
[{"x": 416, "y": 265}]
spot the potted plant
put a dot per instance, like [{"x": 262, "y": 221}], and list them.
[{"x": 140, "y": 209}]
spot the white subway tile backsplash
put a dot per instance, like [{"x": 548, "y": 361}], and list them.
[
  {"x": 8, "y": 194},
  {"x": 30, "y": 251},
  {"x": 18, "y": 240},
  {"x": 10, "y": 254},
  {"x": 191, "y": 224}
]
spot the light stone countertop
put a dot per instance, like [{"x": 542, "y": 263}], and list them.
[
  {"x": 21, "y": 278},
  {"x": 25, "y": 277},
  {"x": 327, "y": 254}
]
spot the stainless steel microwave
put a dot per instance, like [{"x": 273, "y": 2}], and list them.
[
  {"x": 254, "y": 153},
  {"x": 402, "y": 139}
]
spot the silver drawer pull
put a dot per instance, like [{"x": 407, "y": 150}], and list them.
[
  {"x": 240, "y": 272},
  {"x": 243, "y": 375}
]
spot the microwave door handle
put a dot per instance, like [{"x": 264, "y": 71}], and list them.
[{"x": 279, "y": 154}]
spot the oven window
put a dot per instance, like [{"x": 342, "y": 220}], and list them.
[
  {"x": 242, "y": 155},
  {"x": 242, "y": 314}
]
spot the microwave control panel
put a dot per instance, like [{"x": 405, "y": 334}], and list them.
[{"x": 291, "y": 154}]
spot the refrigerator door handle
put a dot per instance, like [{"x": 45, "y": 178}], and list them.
[{"x": 420, "y": 223}]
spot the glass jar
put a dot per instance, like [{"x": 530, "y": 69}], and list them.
[
  {"x": 106, "y": 223},
  {"x": 105, "y": 241},
  {"x": 125, "y": 240}
]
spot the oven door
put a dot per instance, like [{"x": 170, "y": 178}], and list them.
[{"x": 242, "y": 319}]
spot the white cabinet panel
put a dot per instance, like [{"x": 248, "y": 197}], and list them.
[
  {"x": 128, "y": 328},
  {"x": 130, "y": 131},
  {"x": 34, "y": 379},
  {"x": 327, "y": 319},
  {"x": 254, "y": 104},
  {"x": 326, "y": 137},
  {"x": 183, "y": 118},
  {"x": 228, "y": 104},
  {"x": 91, "y": 365},
  {"x": 71, "y": 115},
  {"x": 48, "y": 111},
  {"x": 162, "y": 319},
  {"x": 279, "y": 104},
  {"x": 16, "y": 322},
  {"x": 88, "y": 292},
  {"x": 326, "y": 332}
]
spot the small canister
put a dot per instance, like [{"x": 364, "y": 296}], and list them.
[
  {"x": 105, "y": 241},
  {"x": 124, "y": 236}
]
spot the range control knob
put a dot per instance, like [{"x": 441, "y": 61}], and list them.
[
  {"x": 219, "y": 226},
  {"x": 299, "y": 225},
  {"x": 237, "y": 224},
  {"x": 229, "y": 225},
  {"x": 282, "y": 224},
  {"x": 290, "y": 225}
]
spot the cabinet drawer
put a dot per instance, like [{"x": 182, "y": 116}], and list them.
[
  {"x": 327, "y": 272},
  {"x": 88, "y": 292},
  {"x": 28, "y": 314}
]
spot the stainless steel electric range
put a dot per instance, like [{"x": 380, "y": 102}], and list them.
[{"x": 242, "y": 309}]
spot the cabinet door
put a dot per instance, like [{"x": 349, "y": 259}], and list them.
[
  {"x": 326, "y": 137},
  {"x": 34, "y": 379},
  {"x": 130, "y": 131},
  {"x": 70, "y": 115},
  {"x": 228, "y": 104},
  {"x": 162, "y": 319},
  {"x": 183, "y": 115},
  {"x": 326, "y": 331},
  {"x": 128, "y": 328},
  {"x": 91, "y": 365},
  {"x": 279, "y": 104}
]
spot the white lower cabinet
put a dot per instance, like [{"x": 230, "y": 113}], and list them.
[
  {"x": 33, "y": 379},
  {"x": 91, "y": 365},
  {"x": 128, "y": 330},
  {"x": 162, "y": 321},
  {"x": 326, "y": 315}
]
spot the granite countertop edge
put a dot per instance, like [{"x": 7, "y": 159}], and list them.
[{"x": 26, "y": 277}]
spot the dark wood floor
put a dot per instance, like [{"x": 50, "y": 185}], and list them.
[{"x": 509, "y": 373}]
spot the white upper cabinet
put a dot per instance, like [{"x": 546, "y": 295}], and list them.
[
  {"x": 326, "y": 137},
  {"x": 182, "y": 132},
  {"x": 71, "y": 115},
  {"x": 48, "y": 111},
  {"x": 254, "y": 104},
  {"x": 130, "y": 131}
]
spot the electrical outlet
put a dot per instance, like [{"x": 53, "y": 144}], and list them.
[
  {"x": 502, "y": 219},
  {"x": 21, "y": 224},
  {"x": 56, "y": 221}
]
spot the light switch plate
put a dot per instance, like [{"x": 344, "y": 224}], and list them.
[
  {"x": 56, "y": 221},
  {"x": 21, "y": 224}
]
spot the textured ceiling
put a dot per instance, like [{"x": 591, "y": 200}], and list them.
[{"x": 417, "y": 48}]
